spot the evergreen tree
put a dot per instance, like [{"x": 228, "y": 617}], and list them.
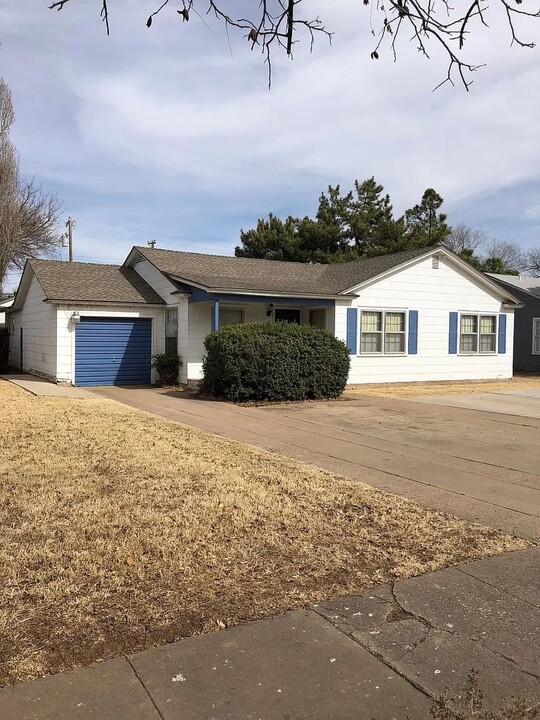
[
  {"x": 272, "y": 239},
  {"x": 347, "y": 226},
  {"x": 425, "y": 225}
]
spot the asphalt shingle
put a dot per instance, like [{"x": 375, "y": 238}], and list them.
[
  {"x": 92, "y": 282},
  {"x": 219, "y": 272}
]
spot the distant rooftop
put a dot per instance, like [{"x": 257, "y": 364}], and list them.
[{"x": 523, "y": 282}]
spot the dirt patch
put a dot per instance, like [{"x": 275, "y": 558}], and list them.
[
  {"x": 418, "y": 389},
  {"x": 121, "y": 531}
]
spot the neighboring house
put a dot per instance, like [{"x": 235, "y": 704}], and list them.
[
  {"x": 527, "y": 320},
  {"x": 5, "y": 303},
  {"x": 410, "y": 316}
]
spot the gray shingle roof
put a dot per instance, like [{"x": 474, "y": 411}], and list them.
[
  {"x": 92, "y": 282},
  {"x": 254, "y": 275},
  {"x": 528, "y": 284}
]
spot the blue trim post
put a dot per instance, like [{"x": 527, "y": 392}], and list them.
[{"x": 215, "y": 315}]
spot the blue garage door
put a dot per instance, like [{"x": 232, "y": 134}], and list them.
[{"x": 113, "y": 351}]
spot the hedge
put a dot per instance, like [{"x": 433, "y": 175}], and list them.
[{"x": 274, "y": 361}]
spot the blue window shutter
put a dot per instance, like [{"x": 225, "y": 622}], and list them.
[
  {"x": 452, "y": 333},
  {"x": 502, "y": 333},
  {"x": 352, "y": 330},
  {"x": 413, "y": 332}
]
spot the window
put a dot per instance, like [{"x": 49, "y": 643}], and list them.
[
  {"x": 536, "y": 336},
  {"x": 171, "y": 330},
  {"x": 287, "y": 315},
  {"x": 478, "y": 334},
  {"x": 394, "y": 338},
  {"x": 382, "y": 332},
  {"x": 317, "y": 318},
  {"x": 371, "y": 332},
  {"x": 230, "y": 316}
]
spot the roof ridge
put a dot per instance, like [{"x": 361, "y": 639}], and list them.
[
  {"x": 425, "y": 249},
  {"x": 231, "y": 257},
  {"x": 73, "y": 262}
]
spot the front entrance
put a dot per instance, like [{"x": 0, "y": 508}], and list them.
[{"x": 290, "y": 315}]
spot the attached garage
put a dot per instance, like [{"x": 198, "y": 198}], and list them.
[{"x": 113, "y": 351}]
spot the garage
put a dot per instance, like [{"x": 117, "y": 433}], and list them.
[{"x": 113, "y": 351}]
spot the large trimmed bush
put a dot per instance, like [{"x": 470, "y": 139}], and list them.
[{"x": 274, "y": 361}]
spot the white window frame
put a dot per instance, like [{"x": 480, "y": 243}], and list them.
[
  {"x": 535, "y": 335},
  {"x": 383, "y": 350},
  {"x": 479, "y": 316},
  {"x": 232, "y": 307}
]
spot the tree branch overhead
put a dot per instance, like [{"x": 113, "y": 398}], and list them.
[{"x": 279, "y": 25}]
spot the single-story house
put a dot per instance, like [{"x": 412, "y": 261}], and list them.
[
  {"x": 527, "y": 320},
  {"x": 5, "y": 303},
  {"x": 410, "y": 316}
]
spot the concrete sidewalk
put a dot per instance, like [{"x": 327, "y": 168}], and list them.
[
  {"x": 384, "y": 655},
  {"x": 44, "y": 388}
]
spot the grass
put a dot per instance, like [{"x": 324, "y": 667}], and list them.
[
  {"x": 120, "y": 531},
  {"x": 450, "y": 387}
]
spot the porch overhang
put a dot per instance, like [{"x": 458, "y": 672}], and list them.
[{"x": 199, "y": 295}]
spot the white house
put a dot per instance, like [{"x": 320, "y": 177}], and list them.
[
  {"x": 411, "y": 316},
  {"x": 5, "y": 303}
]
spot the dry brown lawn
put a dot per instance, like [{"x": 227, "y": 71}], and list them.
[
  {"x": 120, "y": 531},
  {"x": 449, "y": 387}
]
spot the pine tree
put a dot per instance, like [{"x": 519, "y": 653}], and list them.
[{"x": 425, "y": 225}]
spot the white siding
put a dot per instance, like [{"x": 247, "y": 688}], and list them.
[
  {"x": 65, "y": 329},
  {"x": 183, "y": 337},
  {"x": 434, "y": 293},
  {"x": 38, "y": 322},
  {"x": 200, "y": 324},
  {"x": 157, "y": 281}
]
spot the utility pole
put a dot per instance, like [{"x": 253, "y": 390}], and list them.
[
  {"x": 69, "y": 224},
  {"x": 151, "y": 243}
]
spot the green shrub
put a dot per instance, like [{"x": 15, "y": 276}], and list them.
[
  {"x": 274, "y": 361},
  {"x": 167, "y": 366}
]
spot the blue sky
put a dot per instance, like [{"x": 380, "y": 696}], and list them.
[{"x": 161, "y": 134}]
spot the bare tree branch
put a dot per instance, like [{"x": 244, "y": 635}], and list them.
[
  {"x": 28, "y": 216},
  {"x": 276, "y": 23}
]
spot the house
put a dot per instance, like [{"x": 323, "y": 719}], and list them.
[
  {"x": 5, "y": 303},
  {"x": 419, "y": 315},
  {"x": 527, "y": 320}
]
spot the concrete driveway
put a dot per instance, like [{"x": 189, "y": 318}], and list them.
[{"x": 479, "y": 464}]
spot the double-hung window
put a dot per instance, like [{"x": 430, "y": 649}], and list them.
[
  {"x": 536, "y": 336},
  {"x": 382, "y": 331},
  {"x": 478, "y": 334},
  {"x": 171, "y": 330}
]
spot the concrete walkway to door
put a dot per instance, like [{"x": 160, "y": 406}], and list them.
[{"x": 482, "y": 466}]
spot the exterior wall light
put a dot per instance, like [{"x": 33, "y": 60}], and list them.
[{"x": 270, "y": 309}]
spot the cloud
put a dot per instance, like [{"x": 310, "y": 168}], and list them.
[{"x": 162, "y": 134}]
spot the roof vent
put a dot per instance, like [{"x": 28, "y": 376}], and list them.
[{"x": 435, "y": 262}]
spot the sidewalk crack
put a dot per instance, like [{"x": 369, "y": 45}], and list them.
[{"x": 160, "y": 715}]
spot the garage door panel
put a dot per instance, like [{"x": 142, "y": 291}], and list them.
[{"x": 113, "y": 351}]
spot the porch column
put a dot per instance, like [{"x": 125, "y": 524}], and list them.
[{"x": 215, "y": 315}]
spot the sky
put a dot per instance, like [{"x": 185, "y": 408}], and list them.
[{"x": 171, "y": 133}]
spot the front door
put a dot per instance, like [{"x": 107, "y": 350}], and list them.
[{"x": 287, "y": 315}]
